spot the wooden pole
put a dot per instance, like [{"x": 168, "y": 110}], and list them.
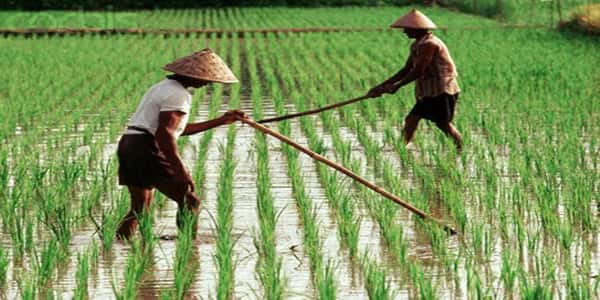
[
  {"x": 342, "y": 169},
  {"x": 314, "y": 111}
]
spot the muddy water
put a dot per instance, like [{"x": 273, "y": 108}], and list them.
[
  {"x": 245, "y": 217},
  {"x": 370, "y": 240},
  {"x": 419, "y": 247},
  {"x": 205, "y": 279},
  {"x": 289, "y": 233},
  {"x": 350, "y": 286}
]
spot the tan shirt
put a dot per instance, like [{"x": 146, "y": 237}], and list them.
[{"x": 440, "y": 75}]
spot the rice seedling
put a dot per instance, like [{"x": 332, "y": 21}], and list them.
[
  {"x": 83, "y": 269},
  {"x": 376, "y": 283},
  {"x": 46, "y": 261},
  {"x": 139, "y": 258},
  {"x": 4, "y": 263},
  {"x": 185, "y": 266},
  {"x": 28, "y": 288}
]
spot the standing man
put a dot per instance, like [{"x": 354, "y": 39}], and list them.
[
  {"x": 432, "y": 68},
  {"x": 147, "y": 150}
]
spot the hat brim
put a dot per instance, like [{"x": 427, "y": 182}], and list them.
[
  {"x": 412, "y": 27},
  {"x": 217, "y": 80}
]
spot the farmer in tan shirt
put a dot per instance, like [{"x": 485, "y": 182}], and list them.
[
  {"x": 147, "y": 152},
  {"x": 432, "y": 68}
]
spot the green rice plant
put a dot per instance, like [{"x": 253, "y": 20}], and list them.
[
  {"x": 225, "y": 243},
  {"x": 327, "y": 286},
  {"x": 540, "y": 286},
  {"x": 376, "y": 281},
  {"x": 46, "y": 261},
  {"x": 185, "y": 267},
  {"x": 145, "y": 227},
  {"x": 134, "y": 269},
  {"x": 269, "y": 265},
  {"x": 81, "y": 276},
  {"x": 509, "y": 272},
  {"x": 337, "y": 141},
  {"x": 4, "y": 263},
  {"x": 28, "y": 288},
  {"x": 578, "y": 285},
  {"x": 140, "y": 257},
  {"x": 110, "y": 221}
]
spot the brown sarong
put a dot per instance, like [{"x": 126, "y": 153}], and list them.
[{"x": 141, "y": 163}]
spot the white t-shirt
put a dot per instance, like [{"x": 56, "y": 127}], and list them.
[{"x": 167, "y": 95}]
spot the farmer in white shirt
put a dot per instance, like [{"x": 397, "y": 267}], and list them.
[
  {"x": 147, "y": 150},
  {"x": 432, "y": 68}
]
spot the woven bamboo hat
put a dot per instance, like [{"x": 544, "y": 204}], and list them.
[
  {"x": 204, "y": 65},
  {"x": 414, "y": 19}
]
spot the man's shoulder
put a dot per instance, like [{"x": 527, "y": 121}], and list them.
[
  {"x": 430, "y": 43},
  {"x": 171, "y": 88}
]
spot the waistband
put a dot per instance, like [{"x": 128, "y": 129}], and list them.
[{"x": 140, "y": 129}]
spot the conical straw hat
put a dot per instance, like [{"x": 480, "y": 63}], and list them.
[
  {"x": 414, "y": 19},
  {"x": 204, "y": 65}
]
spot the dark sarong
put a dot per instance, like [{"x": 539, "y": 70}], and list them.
[
  {"x": 141, "y": 163},
  {"x": 438, "y": 109}
]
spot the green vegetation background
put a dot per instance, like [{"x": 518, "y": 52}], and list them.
[{"x": 537, "y": 12}]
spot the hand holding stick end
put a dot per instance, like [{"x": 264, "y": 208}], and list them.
[{"x": 233, "y": 115}]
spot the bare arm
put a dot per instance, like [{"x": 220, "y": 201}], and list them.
[
  {"x": 193, "y": 128},
  {"x": 227, "y": 118},
  {"x": 165, "y": 137}
]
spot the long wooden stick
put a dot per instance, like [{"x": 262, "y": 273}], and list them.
[
  {"x": 313, "y": 111},
  {"x": 342, "y": 169}
]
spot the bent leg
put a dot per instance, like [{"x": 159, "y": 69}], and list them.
[
  {"x": 140, "y": 200},
  {"x": 451, "y": 131},
  {"x": 410, "y": 126}
]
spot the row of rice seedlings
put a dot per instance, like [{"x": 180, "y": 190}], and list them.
[
  {"x": 225, "y": 242},
  {"x": 322, "y": 272},
  {"x": 66, "y": 95},
  {"x": 269, "y": 265},
  {"x": 224, "y": 218},
  {"x": 376, "y": 279},
  {"x": 45, "y": 87},
  {"x": 294, "y": 17},
  {"x": 185, "y": 265},
  {"x": 341, "y": 202}
]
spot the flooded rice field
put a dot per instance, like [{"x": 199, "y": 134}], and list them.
[
  {"x": 447, "y": 271},
  {"x": 275, "y": 223}
]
